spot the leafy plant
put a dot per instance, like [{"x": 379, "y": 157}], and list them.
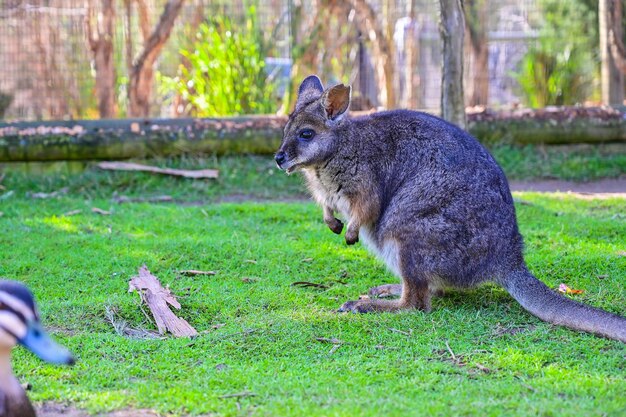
[
  {"x": 560, "y": 68},
  {"x": 223, "y": 73}
]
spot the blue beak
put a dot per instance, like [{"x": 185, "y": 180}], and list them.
[{"x": 38, "y": 342}]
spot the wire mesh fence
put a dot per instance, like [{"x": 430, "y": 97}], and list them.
[{"x": 389, "y": 50}]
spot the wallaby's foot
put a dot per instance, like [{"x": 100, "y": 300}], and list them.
[
  {"x": 387, "y": 290},
  {"x": 334, "y": 224},
  {"x": 372, "y": 306},
  {"x": 352, "y": 236}
]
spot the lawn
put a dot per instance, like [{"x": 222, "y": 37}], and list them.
[{"x": 477, "y": 354}]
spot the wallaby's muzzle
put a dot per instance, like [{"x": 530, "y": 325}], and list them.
[{"x": 280, "y": 157}]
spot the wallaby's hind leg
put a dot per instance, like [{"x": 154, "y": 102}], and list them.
[
  {"x": 415, "y": 292},
  {"x": 395, "y": 290},
  {"x": 384, "y": 291},
  {"x": 415, "y": 295}
]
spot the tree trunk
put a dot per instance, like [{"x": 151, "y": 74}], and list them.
[
  {"x": 382, "y": 51},
  {"x": 476, "y": 29},
  {"x": 100, "y": 39},
  {"x": 618, "y": 52},
  {"x": 612, "y": 79},
  {"x": 452, "y": 27},
  {"x": 141, "y": 76},
  {"x": 412, "y": 81}
]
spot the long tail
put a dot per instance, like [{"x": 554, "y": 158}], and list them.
[{"x": 552, "y": 307}]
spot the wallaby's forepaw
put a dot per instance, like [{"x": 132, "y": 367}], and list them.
[
  {"x": 335, "y": 225},
  {"x": 352, "y": 237}
]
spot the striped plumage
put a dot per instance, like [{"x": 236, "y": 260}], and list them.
[{"x": 19, "y": 324}]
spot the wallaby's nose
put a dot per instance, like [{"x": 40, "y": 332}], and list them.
[{"x": 280, "y": 157}]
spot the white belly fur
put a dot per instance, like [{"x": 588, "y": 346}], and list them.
[{"x": 387, "y": 252}]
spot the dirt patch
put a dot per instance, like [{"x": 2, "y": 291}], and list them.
[
  {"x": 605, "y": 188},
  {"x": 51, "y": 409}
]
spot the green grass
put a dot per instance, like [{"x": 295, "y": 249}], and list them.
[
  {"x": 257, "y": 176},
  {"x": 258, "y": 333}
]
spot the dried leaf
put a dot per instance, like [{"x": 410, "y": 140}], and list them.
[
  {"x": 72, "y": 213},
  {"x": 307, "y": 260},
  {"x": 567, "y": 290},
  {"x": 192, "y": 272},
  {"x": 250, "y": 261},
  {"x": 129, "y": 166},
  {"x": 156, "y": 297}
]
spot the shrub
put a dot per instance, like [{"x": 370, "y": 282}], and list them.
[
  {"x": 560, "y": 68},
  {"x": 223, "y": 73}
]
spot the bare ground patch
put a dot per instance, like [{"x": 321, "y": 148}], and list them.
[
  {"x": 605, "y": 188},
  {"x": 51, "y": 409}
]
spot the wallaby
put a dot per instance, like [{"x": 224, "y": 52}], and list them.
[{"x": 425, "y": 197}]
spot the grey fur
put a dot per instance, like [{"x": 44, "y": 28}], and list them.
[{"x": 427, "y": 198}]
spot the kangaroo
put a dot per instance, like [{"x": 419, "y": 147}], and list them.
[{"x": 424, "y": 196}]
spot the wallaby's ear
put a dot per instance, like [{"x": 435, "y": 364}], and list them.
[
  {"x": 336, "y": 101},
  {"x": 310, "y": 89}
]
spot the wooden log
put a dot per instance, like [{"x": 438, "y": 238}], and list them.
[{"x": 142, "y": 138}]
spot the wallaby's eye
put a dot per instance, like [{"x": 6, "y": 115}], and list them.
[{"x": 306, "y": 134}]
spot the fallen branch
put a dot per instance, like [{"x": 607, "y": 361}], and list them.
[
  {"x": 238, "y": 395},
  {"x": 156, "y": 199},
  {"x": 307, "y": 284},
  {"x": 157, "y": 298},
  {"x": 129, "y": 166},
  {"x": 193, "y": 272}
]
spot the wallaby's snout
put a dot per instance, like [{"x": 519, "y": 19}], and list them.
[{"x": 280, "y": 158}]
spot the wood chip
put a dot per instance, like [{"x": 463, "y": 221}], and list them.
[
  {"x": 54, "y": 194},
  {"x": 483, "y": 368},
  {"x": 100, "y": 211},
  {"x": 192, "y": 272},
  {"x": 333, "y": 341},
  {"x": 401, "y": 331},
  {"x": 156, "y": 199},
  {"x": 239, "y": 395},
  {"x": 157, "y": 298},
  {"x": 333, "y": 349},
  {"x": 129, "y": 166}
]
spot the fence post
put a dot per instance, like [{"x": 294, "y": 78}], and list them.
[
  {"x": 452, "y": 28},
  {"x": 612, "y": 79}
]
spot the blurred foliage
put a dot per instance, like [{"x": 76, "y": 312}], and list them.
[
  {"x": 560, "y": 68},
  {"x": 223, "y": 72}
]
